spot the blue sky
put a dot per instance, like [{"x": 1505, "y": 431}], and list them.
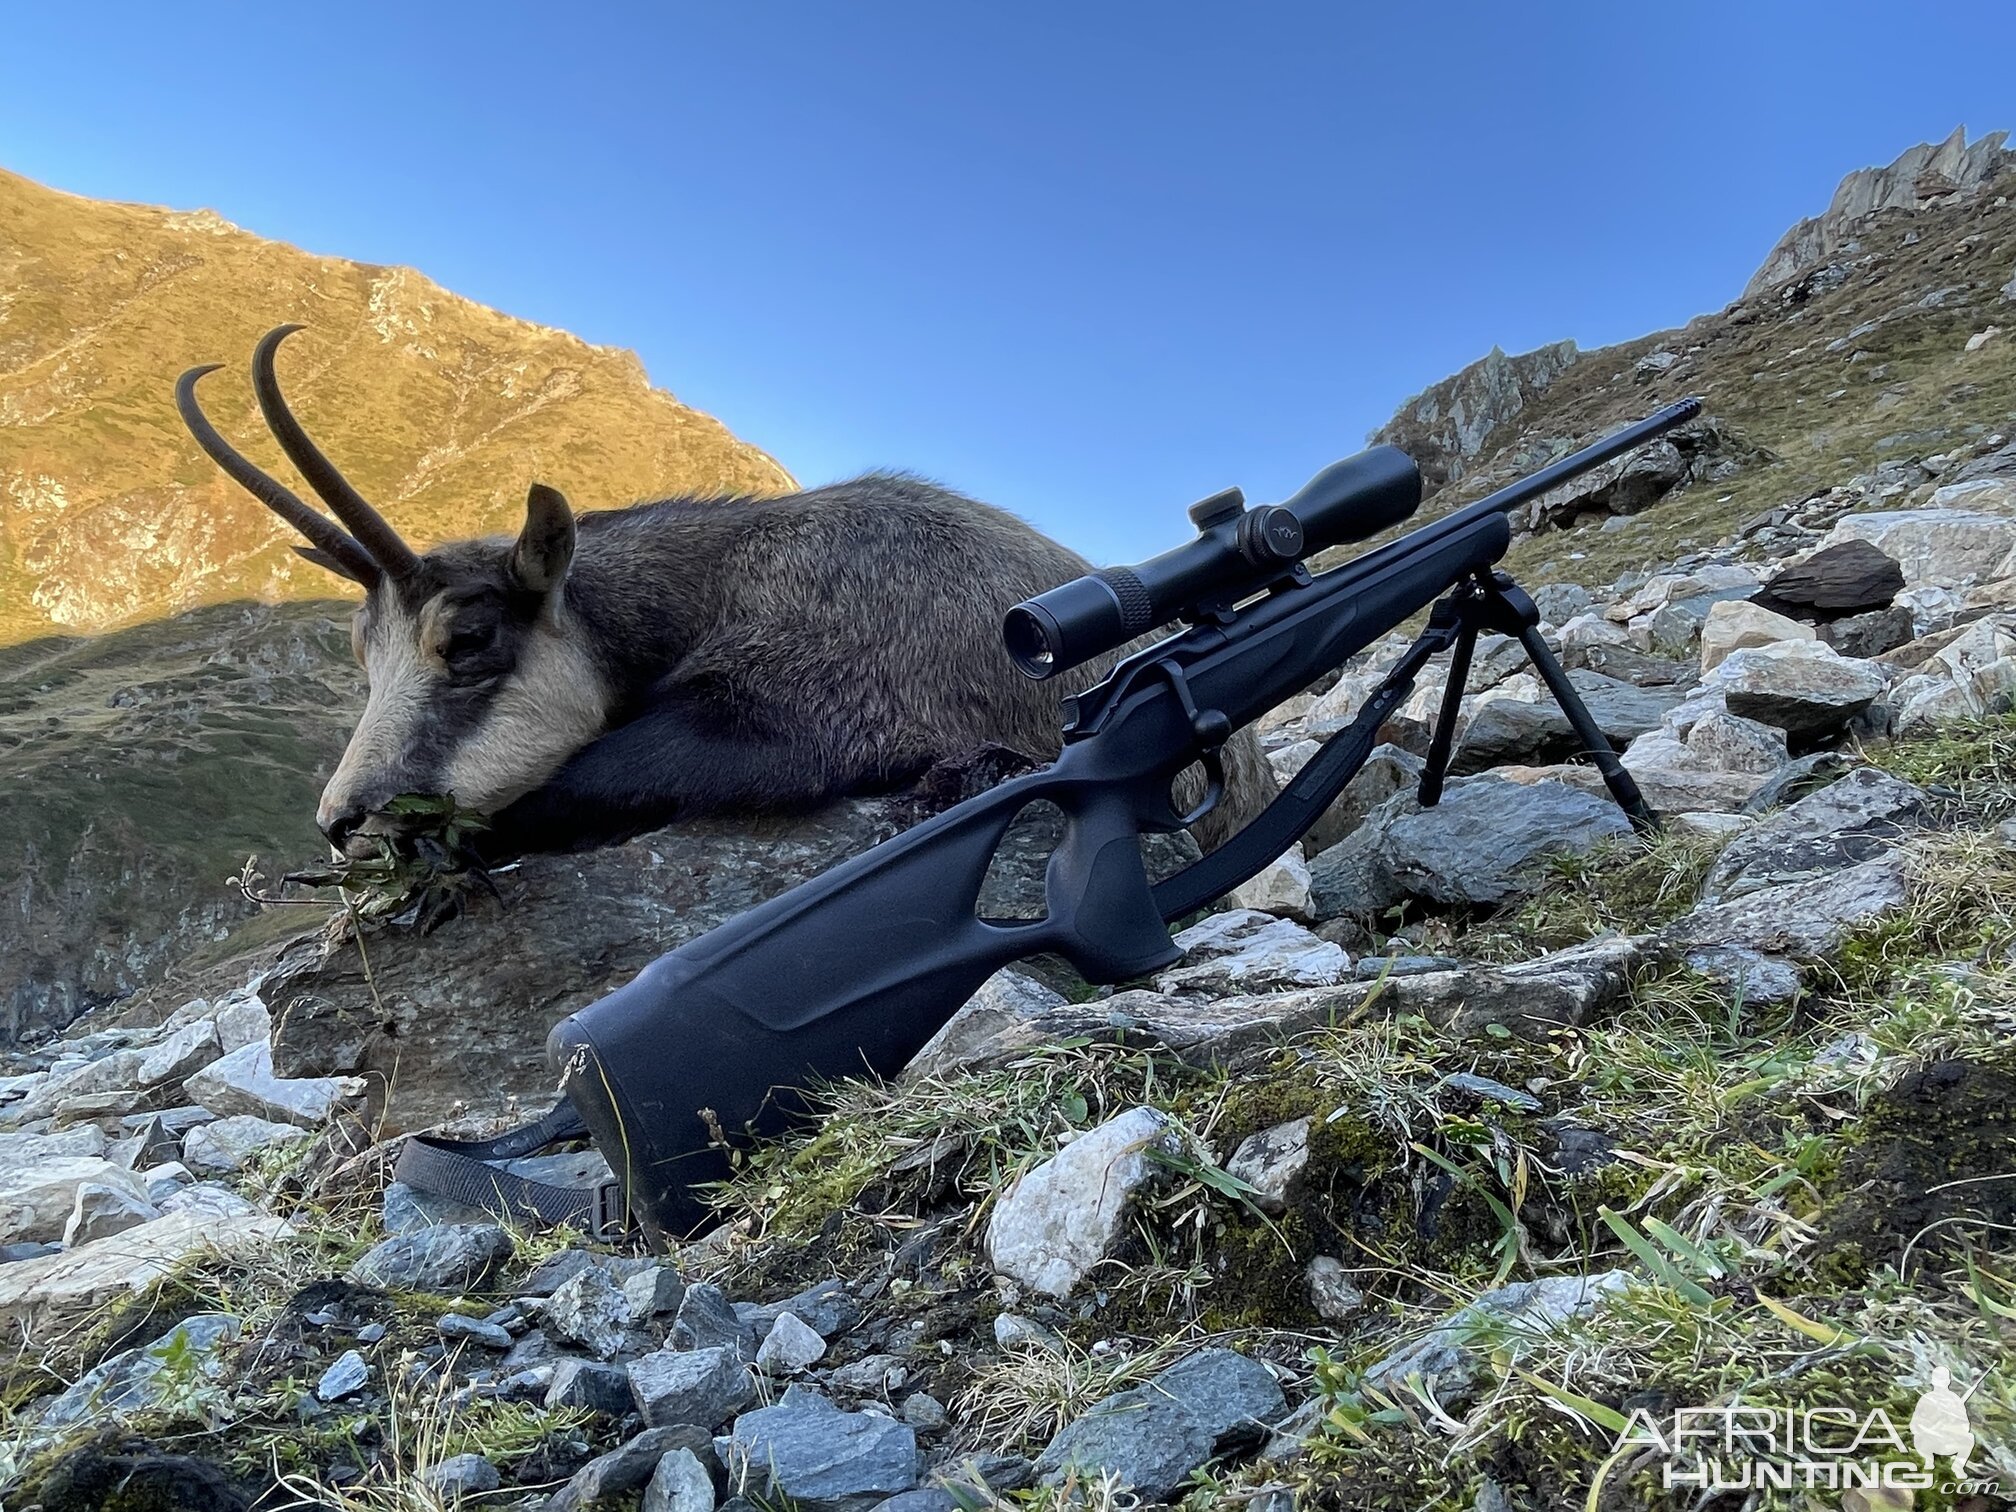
[{"x": 1087, "y": 261}]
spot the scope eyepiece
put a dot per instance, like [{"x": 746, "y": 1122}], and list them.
[{"x": 1237, "y": 552}]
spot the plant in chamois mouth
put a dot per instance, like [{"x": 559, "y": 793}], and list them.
[{"x": 422, "y": 876}]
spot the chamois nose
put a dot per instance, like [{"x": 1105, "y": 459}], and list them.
[{"x": 339, "y": 825}]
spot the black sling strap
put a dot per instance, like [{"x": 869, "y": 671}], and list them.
[{"x": 459, "y": 1170}]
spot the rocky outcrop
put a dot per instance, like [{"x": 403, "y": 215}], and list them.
[
  {"x": 1444, "y": 427},
  {"x": 1923, "y": 175}
]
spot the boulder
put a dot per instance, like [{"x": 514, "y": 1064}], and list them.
[
  {"x": 1850, "y": 578},
  {"x": 1243, "y": 950},
  {"x": 180, "y": 1054},
  {"x": 809, "y": 1453},
  {"x": 592, "y": 1384},
  {"x": 630, "y": 1466},
  {"x": 1730, "y": 743},
  {"x": 1855, "y": 819},
  {"x": 1142, "y": 1439},
  {"x": 452, "y": 1258},
  {"x": 1387, "y": 771},
  {"x": 701, "y": 1387},
  {"x": 1061, "y": 1218},
  {"x": 589, "y": 1311},
  {"x": 1940, "y": 547},
  {"x": 1870, "y": 634},
  {"x": 1509, "y": 730},
  {"x": 1271, "y": 1163},
  {"x": 680, "y": 1484},
  {"x": 1802, "y": 921},
  {"x": 101, "y": 1211},
  {"x": 1234, "y": 1396},
  {"x": 132, "y": 1381},
  {"x": 1804, "y": 688},
  {"x": 243, "y": 1084},
  {"x": 1281, "y": 887},
  {"x": 456, "y": 1020},
  {"x": 707, "y": 1320},
  {"x": 224, "y": 1146},
  {"x": 1735, "y": 625},
  {"x": 73, "y": 1282},
  {"x": 37, "y": 1199},
  {"x": 1004, "y": 999},
  {"x": 1485, "y": 843}
]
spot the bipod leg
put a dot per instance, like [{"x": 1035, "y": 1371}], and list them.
[
  {"x": 1623, "y": 786},
  {"x": 1437, "y": 765}
]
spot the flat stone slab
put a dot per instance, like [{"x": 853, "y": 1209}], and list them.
[{"x": 74, "y": 1281}]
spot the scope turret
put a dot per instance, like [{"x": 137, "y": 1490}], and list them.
[{"x": 1237, "y": 553}]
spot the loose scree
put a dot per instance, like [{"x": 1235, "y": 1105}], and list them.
[{"x": 855, "y": 970}]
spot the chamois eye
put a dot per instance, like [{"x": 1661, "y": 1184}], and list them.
[{"x": 467, "y": 640}]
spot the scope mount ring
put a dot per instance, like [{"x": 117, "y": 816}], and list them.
[{"x": 1210, "y": 729}]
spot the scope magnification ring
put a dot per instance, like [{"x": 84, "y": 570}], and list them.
[{"x": 1137, "y": 605}]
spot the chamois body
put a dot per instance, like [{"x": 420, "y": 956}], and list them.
[{"x": 604, "y": 675}]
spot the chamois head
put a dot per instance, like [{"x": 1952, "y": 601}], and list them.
[{"x": 481, "y": 682}]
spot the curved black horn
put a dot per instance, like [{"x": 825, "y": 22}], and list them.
[
  {"x": 344, "y": 554},
  {"x": 351, "y": 507}
]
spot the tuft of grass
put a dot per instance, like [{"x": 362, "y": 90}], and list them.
[
  {"x": 1969, "y": 763},
  {"x": 1629, "y": 885}
]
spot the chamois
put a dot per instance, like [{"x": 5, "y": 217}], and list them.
[{"x": 608, "y": 673}]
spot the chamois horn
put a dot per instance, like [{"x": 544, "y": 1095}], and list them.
[
  {"x": 330, "y": 545},
  {"x": 351, "y": 507}
]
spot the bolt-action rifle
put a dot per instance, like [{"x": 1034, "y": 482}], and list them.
[{"x": 853, "y": 971}]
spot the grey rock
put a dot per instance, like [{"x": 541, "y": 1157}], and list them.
[
  {"x": 1235, "y": 1397},
  {"x": 180, "y": 1054},
  {"x": 707, "y": 1320},
  {"x": 653, "y": 1291},
  {"x": 151, "y": 1145},
  {"x": 927, "y": 1499},
  {"x": 205, "y": 1199},
  {"x": 1370, "y": 968},
  {"x": 450, "y": 1259},
  {"x": 790, "y": 1347},
  {"x": 21, "y": 1150},
  {"x": 1805, "y": 921},
  {"x": 457, "y": 1329},
  {"x": 1331, "y": 1291},
  {"x": 162, "y": 1180},
  {"x": 1558, "y": 603},
  {"x": 590, "y": 1384},
  {"x": 1244, "y": 950},
  {"x": 703, "y": 1387},
  {"x": 630, "y": 1466},
  {"x": 1730, "y": 743},
  {"x": 1804, "y": 688},
  {"x": 822, "y": 1459},
  {"x": 1449, "y": 1357},
  {"x": 1751, "y": 976},
  {"x": 1802, "y": 775},
  {"x": 132, "y": 1381},
  {"x": 1486, "y": 842},
  {"x": 1271, "y": 1162},
  {"x": 679, "y": 1484},
  {"x": 1387, "y": 771},
  {"x": 872, "y": 1375},
  {"x": 827, "y": 1308},
  {"x": 554, "y": 1269},
  {"x": 1507, "y": 730},
  {"x": 1144, "y": 1439},
  {"x": 1061, "y": 1218},
  {"x": 100, "y": 1211},
  {"x": 1003, "y": 999},
  {"x": 1870, "y": 634},
  {"x": 924, "y": 1412},
  {"x": 1013, "y": 1331},
  {"x": 1838, "y": 581},
  {"x": 225, "y": 1145},
  {"x": 38, "y": 1200},
  {"x": 1853, "y": 820},
  {"x": 461, "y": 1475},
  {"x": 1486, "y": 1090},
  {"x": 344, "y": 1378},
  {"x": 588, "y": 1311},
  {"x": 243, "y": 1083}
]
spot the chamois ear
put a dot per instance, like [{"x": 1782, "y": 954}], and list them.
[{"x": 546, "y": 544}]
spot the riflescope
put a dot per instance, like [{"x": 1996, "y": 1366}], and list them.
[{"x": 1237, "y": 553}]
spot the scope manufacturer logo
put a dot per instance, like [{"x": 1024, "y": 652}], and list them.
[{"x": 1835, "y": 1448}]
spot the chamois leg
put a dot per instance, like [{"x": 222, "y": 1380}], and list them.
[{"x": 670, "y": 763}]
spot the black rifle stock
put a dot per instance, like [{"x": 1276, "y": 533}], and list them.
[{"x": 854, "y": 971}]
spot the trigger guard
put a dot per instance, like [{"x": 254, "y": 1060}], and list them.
[{"x": 1214, "y": 789}]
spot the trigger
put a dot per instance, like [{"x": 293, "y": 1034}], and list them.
[{"x": 1214, "y": 789}]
